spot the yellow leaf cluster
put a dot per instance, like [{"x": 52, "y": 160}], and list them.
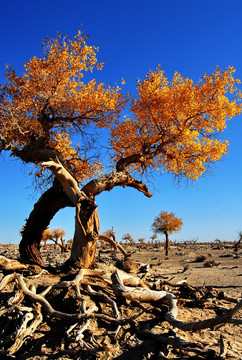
[
  {"x": 171, "y": 124},
  {"x": 46, "y": 235},
  {"x": 174, "y": 124},
  {"x": 52, "y": 93}
]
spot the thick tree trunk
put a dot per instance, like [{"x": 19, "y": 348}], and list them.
[
  {"x": 44, "y": 210},
  {"x": 86, "y": 235},
  {"x": 87, "y": 220}
]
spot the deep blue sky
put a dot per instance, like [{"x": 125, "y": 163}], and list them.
[{"x": 134, "y": 36}]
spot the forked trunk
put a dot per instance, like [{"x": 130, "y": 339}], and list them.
[
  {"x": 44, "y": 210},
  {"x": 87, "y": 221}
]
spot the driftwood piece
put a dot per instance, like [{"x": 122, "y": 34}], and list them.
[
  {"x": 141, "y": 294},
  {"x": 7, "y": 279},
  {"x": 131, "y": 280},
  {"x": 79, "y": 335}
]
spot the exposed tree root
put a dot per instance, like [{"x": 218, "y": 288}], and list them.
[{"x": 100, "y": 319}]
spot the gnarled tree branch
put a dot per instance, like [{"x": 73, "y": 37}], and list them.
[{"x": 109, "y": 181}]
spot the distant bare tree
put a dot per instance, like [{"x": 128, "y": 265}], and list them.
[
  {"x": 238, "y": 243},
  {"x": 110, "y": 233},
  {"x": 141, "y": 243},
  {"x": 154, "y": 237},
  {"x": 128, "y": 239}
]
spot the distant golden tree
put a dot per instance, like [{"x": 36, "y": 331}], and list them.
[
  {"x": 46, "y": 235},
  {"x": 59, "y": 234},
  {"x": 55, "y": 235},
  {"x": 166, "y": 223}
]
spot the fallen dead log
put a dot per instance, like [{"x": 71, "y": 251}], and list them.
[{"x": 134, "y": 293}]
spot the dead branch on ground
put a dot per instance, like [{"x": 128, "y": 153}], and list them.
[{"x": 110, "y": 314}]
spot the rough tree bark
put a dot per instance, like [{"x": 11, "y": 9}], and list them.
[
  {"x": 47, "y": 206},
  {"x": 44, "y": 210},
  {"x": 86, "y": 220}
]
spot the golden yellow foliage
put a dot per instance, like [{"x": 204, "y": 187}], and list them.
[
  {"x": 46, "y": 235},
  {"x": 51, "y": 101},
  {"x": 173, "y": 123},
  {"x": 167, "y": 223}
]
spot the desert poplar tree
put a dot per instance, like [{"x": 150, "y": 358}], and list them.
[
  {"x": 166, "y": 223},
  {"x": 52, "y": 116}
]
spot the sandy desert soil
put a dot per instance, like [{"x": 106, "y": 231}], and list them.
[{"x": 215, "y": 268}]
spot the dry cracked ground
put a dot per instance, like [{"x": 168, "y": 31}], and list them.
[{"x": 205, "y": 278}]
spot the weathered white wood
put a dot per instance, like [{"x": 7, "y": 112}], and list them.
[
  {"x": 58, "y": 314},
  {"x": 79, "y": 335},
  {"x": 25, "y": 331},
  {"x": 10, "y": 264},
  {"x": 68, "y": 183},
  {"x": 86, "y": 232},
  {"x": 135, "y": 293}
]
